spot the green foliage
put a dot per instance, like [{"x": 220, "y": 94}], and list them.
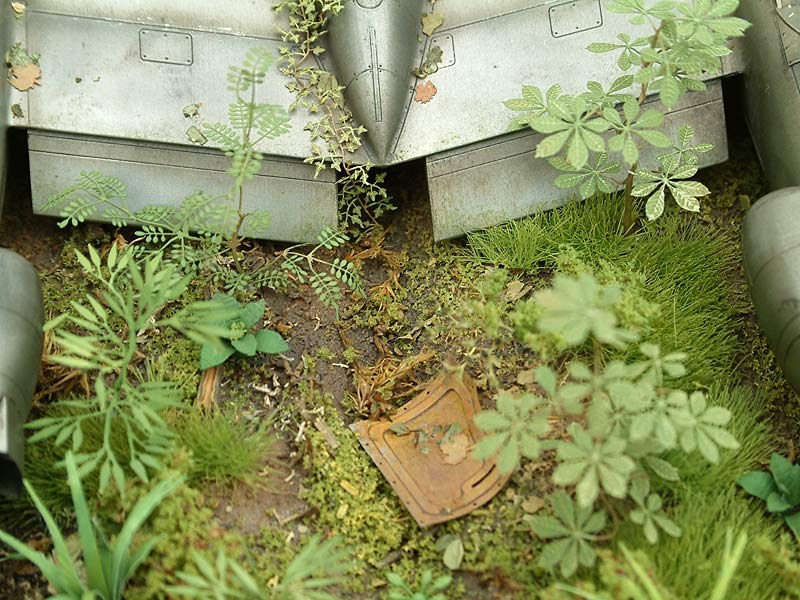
[
  {"x": 576, "y": 309},
  {"x": 240, "y": 338},
  {"x": 676, "y": 275},
  {"x": 572, "y": 528},
  {"x": 310, "y": 576},
  {"x": 428, "y": 589},
  {"x": 307, "y": 267},
  {"x": 781, "y": 556},
  {"x": 130, "y": 299},
  {"x": 779, "y": 488},
  {"x": 624, "y": 416},
  {"x": 632, "y": 579},
  {"x": 105, "y": 567},
  {"x": 684, "y": 46},
  {"x": 224, "y": 448},
  {"x": 204, "y": 235},
  {"x": 334, "y": 136},
  {"x": 515, "y": 427}
]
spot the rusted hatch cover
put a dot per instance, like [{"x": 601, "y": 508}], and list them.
[{"x": 424, "y": 452}]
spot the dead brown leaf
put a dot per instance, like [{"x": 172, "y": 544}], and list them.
[
  {"x": 455, "y": 449},
  {"x": 24, "y": 77},
  {"x": 532, "y": 505},
  {"x": 379, "y": 380},
  {"x": 431, "y": 22},
  {"x": 425, "y": 92},
  {"x": 526, "y": 377},
  {"x": 516, "y": 290}
]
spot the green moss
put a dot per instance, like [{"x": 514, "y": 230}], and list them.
[
  {"x": 326, "y": 354},
  {"x": 184, "y": 523},
  {"x": 497, "y": 542}
]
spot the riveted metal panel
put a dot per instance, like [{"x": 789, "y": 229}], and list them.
[
  {"x": 97, "y": 82},
  {"x": 491, "y": 182},
  {"x": 573, "y": 17},
  {"x": 165, "y": 46},
  {"x": 301, "y": 206},
  {"x": 499, "y": 49}
]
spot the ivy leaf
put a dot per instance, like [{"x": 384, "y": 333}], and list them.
[
  {"x": 270, "y": 342},
  {"x": 758, "y": 483},
  {"x": 247, "y": 345},
  {"x": 251, "y": 313},
  {"x": 786, "y": 476},
  {"x": 212, "y": 355}
]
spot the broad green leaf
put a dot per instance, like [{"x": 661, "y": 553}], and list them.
[
  {"x": 246, "y": 345},
  {"x": 271, "y": 342}
]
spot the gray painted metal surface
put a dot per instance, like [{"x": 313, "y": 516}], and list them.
[
  {"x": 300, "y": 205},
  {"x": 771, "y": 242},
  {"x": 772, "y": 72},
  {"x": 492, "y": 182},
  {"x": 21, "y": 318},
  {"x": 116, "y": 70}
]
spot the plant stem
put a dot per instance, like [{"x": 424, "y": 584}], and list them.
[{"x": 627, "y": 215}]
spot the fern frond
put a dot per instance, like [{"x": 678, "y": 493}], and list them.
[{"x": 222, "y": 135}]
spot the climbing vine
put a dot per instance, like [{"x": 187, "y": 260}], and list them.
[{"x": 334, "y": 135}]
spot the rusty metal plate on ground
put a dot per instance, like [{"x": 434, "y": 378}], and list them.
[{"x": 424, "y": 453}]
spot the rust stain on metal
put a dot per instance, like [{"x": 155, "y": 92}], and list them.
[{"x": 408, "y": 450}]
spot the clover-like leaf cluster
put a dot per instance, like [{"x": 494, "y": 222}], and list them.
[
  {"x": 623, "y": 421},
  {"x": 593, "y": 135}
]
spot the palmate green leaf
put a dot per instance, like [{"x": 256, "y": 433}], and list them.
[
  {"x": 514, "y": 429},
  {"x": 570, "y": 122},
  {"x": 576, "y": 308},
  {"x": 702, "y": 428},
  {"x": 591, "y": 464},
  {"x": 592, "y": 178},
  {"x": 572, "y": 528},
  {"x": 649, "y": 514}
]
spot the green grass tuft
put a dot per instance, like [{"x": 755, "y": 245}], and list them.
[
  {"x": 224, "y": 449},
  {"x": 689, "y": 270},
  {"x": 707, "y": 503}
]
